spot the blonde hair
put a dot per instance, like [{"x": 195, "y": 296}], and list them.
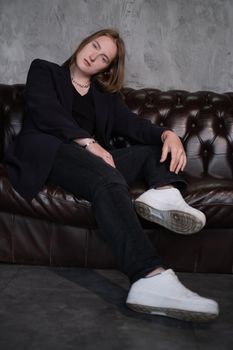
[{"x": 113, "y": 77}]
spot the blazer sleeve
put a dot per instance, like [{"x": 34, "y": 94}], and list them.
[
  {"x": 44, "y": 107},
  {"x": 129, "y": 124}
]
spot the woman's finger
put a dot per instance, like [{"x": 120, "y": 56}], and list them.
[
  {"x": 164, "y": 153},
  {"x": 180, "y": 164},
  {"x": 184, "y": 162},
  {"x": 108, "y": 159},
  {"x": 175, "y": 156},
  {"x": 177, "y": 160}
]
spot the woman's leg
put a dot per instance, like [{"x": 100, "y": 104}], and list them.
[
  {"x": 142, "y": 162},
  {"x": 88, "y": 176},
  {"x": 162, "y": 205}
]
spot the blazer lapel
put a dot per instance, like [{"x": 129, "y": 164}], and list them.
[
  {"x": 103, "y": 114},
  {"x": 66, "y": 86}
]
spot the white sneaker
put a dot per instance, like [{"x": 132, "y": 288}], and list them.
[
  {"x": 165, "y": 295},
  {"x": 168, "y": 208}
]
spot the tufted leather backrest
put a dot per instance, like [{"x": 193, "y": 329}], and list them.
[
  {"x": 11, "y": 113},
  {"x": 203, "y": 120}
]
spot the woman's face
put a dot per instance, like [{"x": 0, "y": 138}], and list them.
[{"x": 96, "y": 56}]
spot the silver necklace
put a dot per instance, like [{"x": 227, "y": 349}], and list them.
[{"x": 85, "y": 86}]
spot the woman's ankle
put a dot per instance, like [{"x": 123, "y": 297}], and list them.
[
  {"x": 164, "y": 187},
  {"x": 155, "y": 272}
]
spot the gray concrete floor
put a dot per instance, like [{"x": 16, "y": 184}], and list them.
[{"x": 69, "y": 308}]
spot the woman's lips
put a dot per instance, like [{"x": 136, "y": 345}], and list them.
[{"x": 87, "y": 62}]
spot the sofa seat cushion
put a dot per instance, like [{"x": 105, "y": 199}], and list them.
[
  {"x": 213, "y": 196},
  {"x": 52, "y": 204}
]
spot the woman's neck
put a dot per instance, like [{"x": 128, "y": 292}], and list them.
[
  {"x": 80, "y": 82},
  {"x": 78, "y": 76}
]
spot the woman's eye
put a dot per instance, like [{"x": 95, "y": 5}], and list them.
[
  {"x": 104, "y": 59},
  {"x": 94, "y": 45}
]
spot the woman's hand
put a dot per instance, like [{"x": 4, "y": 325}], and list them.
[
  {"x": 172, "y": 144},
  {"x": 99, "y": 151},
  {"x": 96, "y": 149}
]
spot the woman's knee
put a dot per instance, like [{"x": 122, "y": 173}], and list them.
[
  {"x": 110, "y": 181},
  {"x": 148, "y": 150}
]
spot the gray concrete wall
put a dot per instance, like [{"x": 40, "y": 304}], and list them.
[{"x": 182, "y": 44}]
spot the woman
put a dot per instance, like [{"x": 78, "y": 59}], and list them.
[{"x": 73, "y": 111}]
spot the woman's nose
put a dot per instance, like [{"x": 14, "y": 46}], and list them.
[{"x": 92, "y": 57}]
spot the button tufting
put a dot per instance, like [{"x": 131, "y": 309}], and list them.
[{"x": 7, "y": 108}]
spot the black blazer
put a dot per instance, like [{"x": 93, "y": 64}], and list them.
[{"x": 49, "y": 122}]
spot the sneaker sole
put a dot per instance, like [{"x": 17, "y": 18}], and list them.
[
  {"x": 183, "y": 315},
  {"x": 174, "y": 220}
]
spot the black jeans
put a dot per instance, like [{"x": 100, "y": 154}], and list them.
[{"x": 90, "y": 177}]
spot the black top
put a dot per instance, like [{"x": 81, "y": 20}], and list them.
[{"x": 83, "y": 111}]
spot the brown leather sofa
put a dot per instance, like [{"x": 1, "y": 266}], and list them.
[{"x": 58, "y": 229}]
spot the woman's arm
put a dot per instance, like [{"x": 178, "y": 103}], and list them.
[
  {"x": 130, "y": 125},
  {"x": 43, "y": 105}
]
